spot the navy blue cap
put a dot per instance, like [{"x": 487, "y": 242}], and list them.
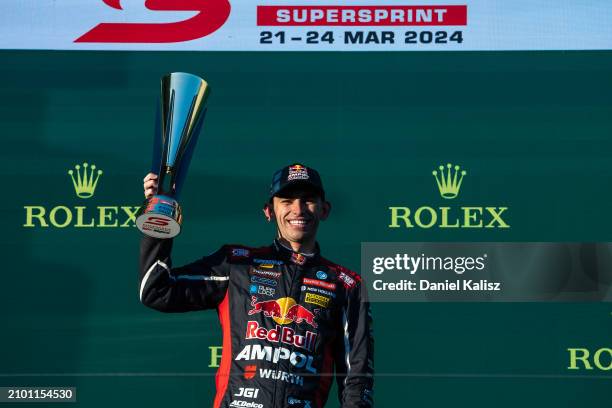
[{"x": 296, "y": 174}]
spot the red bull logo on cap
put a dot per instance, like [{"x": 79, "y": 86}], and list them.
[
  {"x": 284, "y": 311},
  {"x": 297, "y": 172}
]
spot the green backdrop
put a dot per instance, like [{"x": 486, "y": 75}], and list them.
[{"x": 534, "y": 130}]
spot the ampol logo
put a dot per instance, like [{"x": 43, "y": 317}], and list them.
[{"x": 212, "y": 14}]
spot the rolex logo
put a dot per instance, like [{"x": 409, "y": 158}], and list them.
[
  {"x": 447, "y": 216},
  {"x": 449, "y": 182},
  {"x": 86, "y": 180},
  {"x": 73, "y": 213}
]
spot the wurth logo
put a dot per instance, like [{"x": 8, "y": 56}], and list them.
[{"x": 212, "y": 14}]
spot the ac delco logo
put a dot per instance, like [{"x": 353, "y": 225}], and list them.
[{"x": 212, "y": 14}]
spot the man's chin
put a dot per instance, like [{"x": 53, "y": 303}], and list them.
[
  {"x": 300, "y": 233},
  {"x": 298, "y": 238}
]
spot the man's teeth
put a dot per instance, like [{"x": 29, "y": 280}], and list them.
[{"x": 297, "y": 222}]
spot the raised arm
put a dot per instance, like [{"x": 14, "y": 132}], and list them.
[{"x": 195, "y": 286}]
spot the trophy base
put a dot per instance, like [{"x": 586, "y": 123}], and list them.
[{"x": 160, "y": 217}]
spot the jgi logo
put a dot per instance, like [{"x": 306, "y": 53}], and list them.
[{"x": 247, "y": 392}]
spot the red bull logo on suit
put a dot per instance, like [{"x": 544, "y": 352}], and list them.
[
  {"x": 284, "y": 311},
  {"x": 281, "y": 334}
]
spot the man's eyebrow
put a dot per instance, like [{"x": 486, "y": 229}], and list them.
[{"x": 299, "y": 194}]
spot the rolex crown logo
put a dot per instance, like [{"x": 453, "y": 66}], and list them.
[
  {"x": 449, "y": 180},
  {"x": 85, "y": 180}
]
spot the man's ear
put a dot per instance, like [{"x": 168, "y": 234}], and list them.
[
  {"x": 325, "y": 210},
  {"x": 268, "y": 211}
]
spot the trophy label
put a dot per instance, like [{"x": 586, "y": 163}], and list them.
[{"x": 158, "y": 225}]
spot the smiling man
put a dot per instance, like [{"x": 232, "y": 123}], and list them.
[{"x": 291, "y": 319}]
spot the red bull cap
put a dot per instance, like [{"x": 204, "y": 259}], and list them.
[{"x": 296, "y": 174}]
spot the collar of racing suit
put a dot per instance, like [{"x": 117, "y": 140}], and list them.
[{"x": 296, "y": 257}]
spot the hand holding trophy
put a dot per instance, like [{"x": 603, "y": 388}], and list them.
[{"x": 183, "y": 98}]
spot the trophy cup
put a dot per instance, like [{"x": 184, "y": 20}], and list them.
[{"x": 183, "y": 97}]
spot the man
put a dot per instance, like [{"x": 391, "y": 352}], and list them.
[{"x": 289, "y": 317}]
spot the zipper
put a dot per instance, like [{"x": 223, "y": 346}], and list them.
[
  {"x": 286, "y": 274},
  {"x": 297, "y": 275}
]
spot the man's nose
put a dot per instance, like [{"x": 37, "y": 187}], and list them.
[{"x": 299, "y": 206}]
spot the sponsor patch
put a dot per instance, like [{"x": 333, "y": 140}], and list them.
[
  {"x": 263, "y": 281},
  {"x": 299, "y": 403},
  {"x": 271, "y": 354},
  {"x": 282, "y": 376},
  {"x": 321, "y": 284},
  {"x": 245, "y": 404},
  {"x": 266, "y": 266},
  {"x": 318, "y": 290},
  {"x": 298, "y": 259},
  {"x": 266, "y": 274},
  {"x": 317, "y": 299},
  {"x": 250, "y": 371},
  {"x": 265, "y": 290},
  {"x": 297, "y": 172},
  {"x": 284, "y": 311},
  {"x": 267, "y": 262},
  {"x": 347, "y": 281},
  {"x": 240, "y": 252},
  {"x": 247, "y": 392},
  {"x": 281, "y": 334},
  {"x": 321, "y": 275}
]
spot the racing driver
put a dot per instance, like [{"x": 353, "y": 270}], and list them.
[{"x": 290, "y": 318}]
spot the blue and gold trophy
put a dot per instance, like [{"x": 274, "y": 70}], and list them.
[{"x": 183, "y": 98}]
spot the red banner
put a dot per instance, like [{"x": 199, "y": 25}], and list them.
[{"x": 362, "y": 15}]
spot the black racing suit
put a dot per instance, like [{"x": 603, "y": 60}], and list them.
[{"x": 289, "y": 322}]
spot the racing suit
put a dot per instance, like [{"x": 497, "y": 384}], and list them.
[{"x": 289, "y": 321}]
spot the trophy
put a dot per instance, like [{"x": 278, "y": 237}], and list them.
[{"x": 183, "y": 97}]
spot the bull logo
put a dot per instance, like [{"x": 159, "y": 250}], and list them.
[{"x": 284, "y": 311}]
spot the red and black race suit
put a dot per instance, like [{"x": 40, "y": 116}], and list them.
[{"x": 290, "y": 322}]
